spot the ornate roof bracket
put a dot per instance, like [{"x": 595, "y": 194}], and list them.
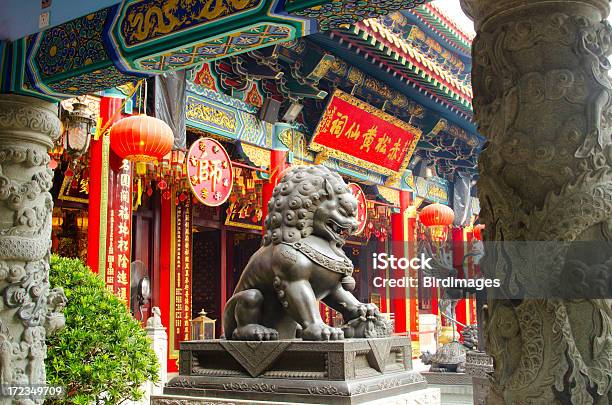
[
  {"x": 253, "y": 68},
  {"x": 294, "y": 89},
  {"x": 321, "y": 68}
]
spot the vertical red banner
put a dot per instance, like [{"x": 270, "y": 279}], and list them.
[
  {"x": 98, "y": 187},
  {"x": 119, "y": 235},
  {"x": 458, "y": 239},
  {"x": 187, "y": 270},
  {"x": 167, "y": 223},
  {"x": 182, "y": 274}
]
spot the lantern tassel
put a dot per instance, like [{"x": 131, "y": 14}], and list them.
[
  {"x": 98, "y": 129},
  {"x": 139, "y": 198}
]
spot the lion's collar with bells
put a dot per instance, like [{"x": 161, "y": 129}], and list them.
[{"x": 344, "y": 266}]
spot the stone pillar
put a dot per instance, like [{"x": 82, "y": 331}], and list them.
[
  {"x": 543, "y": 99},
  {"x": 159, "y": 339},
  {"x": 29, "y": 307}
]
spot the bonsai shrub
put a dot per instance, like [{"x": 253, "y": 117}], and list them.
[{"x": 102, "y": 355}]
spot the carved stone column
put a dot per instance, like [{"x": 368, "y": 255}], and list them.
[
  {"x": 543, "y": 99},
  {"x": 28, "y": 308}
]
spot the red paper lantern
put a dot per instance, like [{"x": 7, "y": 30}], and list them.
[
  {"x": 437, "y": 215},
  {"x": 478, "y": 229},
  {"x": 437, "y": 218},
  {"x": 141, "y": 138}
]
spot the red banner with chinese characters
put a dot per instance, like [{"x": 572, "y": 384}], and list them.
[
  {"x": 209, "y": 170},
  {"x": 354, "y": 131},
  {"x": 119, "y": 237},
  {"x": 181, "y": 280}
]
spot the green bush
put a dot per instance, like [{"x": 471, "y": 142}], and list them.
[{"x": 102, "y": 355}]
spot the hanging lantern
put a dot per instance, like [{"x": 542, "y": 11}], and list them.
[
  {"x": 57, "y": 219},
  {"x": 58, "y": 150},
  {"x": 177, "y": 163},
  {"x": 478, "y": 229},
  {"x": 437, "y": 218},
  {"x": 382, "y": 234},
  {"x": 141, "y": 139},
  {"x": 82, "y": 221},
  {"x": 165, "y": 161},
  {"x": 77, "y": 129}
]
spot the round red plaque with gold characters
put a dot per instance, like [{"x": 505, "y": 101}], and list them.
[
  {"x": 210, "y": 173},
  {"x": 362, "y": 208}
]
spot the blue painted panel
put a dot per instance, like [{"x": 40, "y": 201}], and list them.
[
  {"x": 433, "y": 189},
  {"x": 226, "y": 120}
]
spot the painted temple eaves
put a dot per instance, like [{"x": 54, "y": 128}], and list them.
[
  {"x": 309, "y": 70},
  {"x": 138, "y": 38},
  {"x": 410, "y": 61}
]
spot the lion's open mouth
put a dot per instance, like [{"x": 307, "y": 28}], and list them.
[{"x": 342, "y": 231}]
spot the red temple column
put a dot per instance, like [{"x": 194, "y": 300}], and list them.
[
  {"x": 165, "y": 267},
  {"x": 278, "y": 163},
  {"x": 402, "y": 239},
  {"x": 413, "y": 302},
  {"x": 458, "y": 240},
  {"x": 98, "y": 187}
]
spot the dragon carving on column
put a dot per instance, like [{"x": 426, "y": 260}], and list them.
[{"x": 543, "y": 98}]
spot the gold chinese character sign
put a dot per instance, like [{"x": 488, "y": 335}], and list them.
[
  {"x": 210, "y": 173},
  {"x": 354, "y": 131}
]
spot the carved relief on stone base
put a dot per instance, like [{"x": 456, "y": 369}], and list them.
[{"x": 31, "y": 307}]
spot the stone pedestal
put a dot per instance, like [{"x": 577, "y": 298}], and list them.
[
  {"x": 352, "y": 371},
  {"x": 30, "y": 308},
  {"x": 479, "y": 366},
  {"x": 427, "y": 396},
  {"x": 159, "y": 342},
  {"x": 455, "y": 388}
]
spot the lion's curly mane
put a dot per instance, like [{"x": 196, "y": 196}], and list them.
[{"x": 295, "y": 200}]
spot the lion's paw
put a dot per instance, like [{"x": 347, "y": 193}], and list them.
[
  {"x": 368, "y": 310},
  {"x": 321, "y": 331},
  {"x": 254, "y": 332},
  {"x": 369, "y": 324}
]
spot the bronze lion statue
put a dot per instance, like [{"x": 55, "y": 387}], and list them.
[{"x": 301, "y": 262}]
